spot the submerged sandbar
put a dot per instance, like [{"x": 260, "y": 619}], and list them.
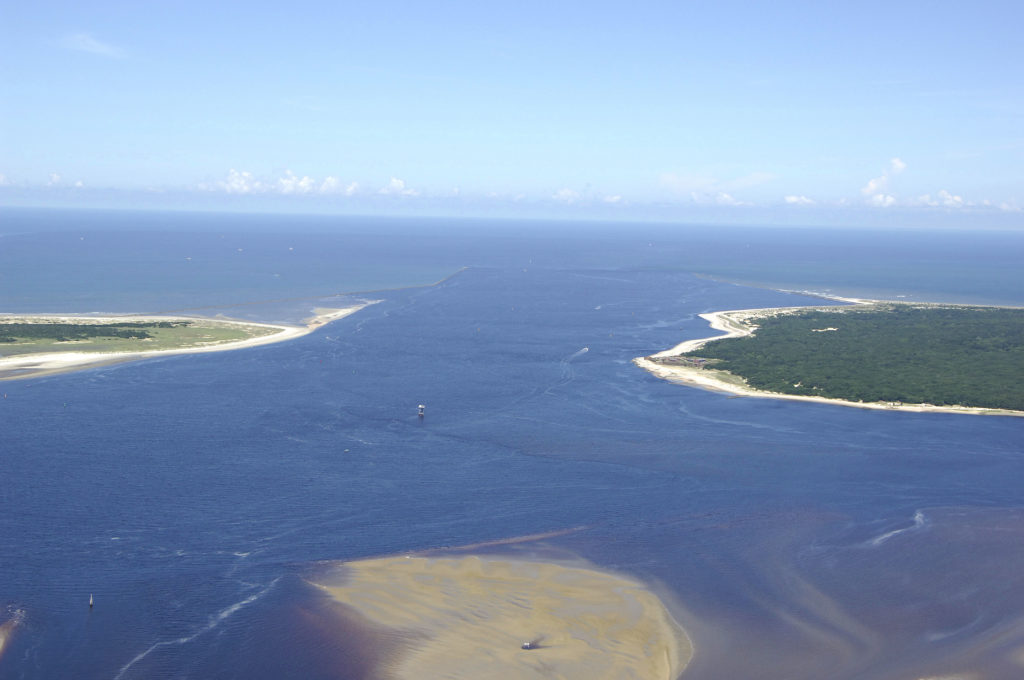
[
  {"x": 7, "y": 630},
  {"x": 470, "y": 616},
  {"x": 30, "y": 360}
]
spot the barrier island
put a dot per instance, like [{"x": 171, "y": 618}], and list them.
[
  {"x": 37, "y": 345},
  {"x": 873, "y": 354},
  {"x": 491, "y": 617}
]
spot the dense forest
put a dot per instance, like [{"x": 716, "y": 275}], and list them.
[
  {"x": 942, "y": 355},
  {"x": 66, "y": 332}
]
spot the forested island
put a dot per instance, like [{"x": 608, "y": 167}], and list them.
[{"x": 895, "y": 353}]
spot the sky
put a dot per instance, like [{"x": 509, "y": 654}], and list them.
[{"x": 783, "y": 112}]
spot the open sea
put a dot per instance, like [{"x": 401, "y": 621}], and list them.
[{"x": 192, "y": 495}]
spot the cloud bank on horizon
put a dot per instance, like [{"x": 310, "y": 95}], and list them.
[{"x": 656, "y": 111}]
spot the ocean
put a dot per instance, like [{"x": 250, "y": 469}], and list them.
[{"x": 191, "y": 496}]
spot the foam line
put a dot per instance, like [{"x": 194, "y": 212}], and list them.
[
  {"x": 919, "y": 522},
  {"x": 214, "y": 621}
]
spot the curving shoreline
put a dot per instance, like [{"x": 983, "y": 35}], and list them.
[
  {"x": 470, "y": 616},
  {"x": 741, "y": 322},
  {"x": 22, "y": 366}
]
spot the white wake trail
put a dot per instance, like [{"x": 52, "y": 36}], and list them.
[
  {"x": 214, "y": 621},
  {"x": 919, "y": 522}
]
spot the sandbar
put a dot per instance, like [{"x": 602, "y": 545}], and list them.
[
  {"x": 741, "y": 322},
  {"x": 21, "y": 366},
  {"x": 7, "y": 630},
  {"x": 469, "y": 616}
]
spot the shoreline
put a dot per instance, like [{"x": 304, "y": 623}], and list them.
[
  {"x": 737, "y": 323},
  {"x": 23, "y": 366},
  {"x": 470, "y": 616}
]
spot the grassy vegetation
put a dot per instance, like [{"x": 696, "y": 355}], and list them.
[
  {"x": 36, "y": 335},
  {"x": 942, "y": 355}
]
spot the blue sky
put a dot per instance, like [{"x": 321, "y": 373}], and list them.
[{"x": 785, "y": 112}]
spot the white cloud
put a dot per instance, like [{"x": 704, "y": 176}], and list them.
[
  {"x": 949, "y": 200},
  {"x": 3, "y": 180},
  {"x": 79, "y": 184},
  {"x": 612, "y": 199},
  {"x": 875, "y": 190},
  {"x": 707, "y": 189},
  {"x": 244, "y": 182},
  {"x": 566, "y": 195},
  {"x": 85, "y": 42},
  {"x": 943, "y": 199},
  {"x": 715, "y": 197},
  {"x": 54, "y": 180},
  {"x": 292, "y": 184},
  {"x": 875, "y": 185},
  {"x": 241, "y": 183},
  {"x": 332, "y": 185},
  {"x": 1009, "y": 206},
  {"x": 396, "y": 187},
  {"x": 799, "y": 200}
]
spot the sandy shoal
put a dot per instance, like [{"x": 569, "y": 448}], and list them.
[
  {"x": 7, "y": 631},
  {"x": 467, "y": 617},
  {"x": 35, "y": 365},
  {"x": 741, "y": 322}
]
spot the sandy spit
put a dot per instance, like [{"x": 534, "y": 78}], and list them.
[
  {"x": 468, "y": 617},
  {"x": 23, "y": 366}
]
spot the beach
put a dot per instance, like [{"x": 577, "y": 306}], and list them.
[
  {"x": 742, "y": 322},
  {"x": 20, "y": 366},
  {"x": 469, "y": 617}
]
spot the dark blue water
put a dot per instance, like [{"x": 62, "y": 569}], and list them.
[{"x": 191, "y": 494}]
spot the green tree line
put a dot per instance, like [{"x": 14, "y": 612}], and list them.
[
  {"x": 969, "y": 356},
  {"x": 65, "y": 332}
]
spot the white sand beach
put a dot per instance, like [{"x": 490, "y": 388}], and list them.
[
  {"x": 23, "y": 366},
  {"x": 468, "y": 617}
]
